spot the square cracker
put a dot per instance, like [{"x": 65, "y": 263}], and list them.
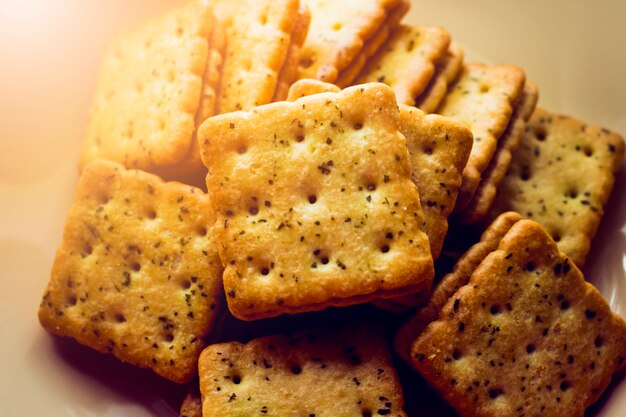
[
  {"x": 483, "y": 97},
  {"x": 561, "y": 175},
  {"x": 450, "y": 283},
  {"x": 259, "y": 36},
  {"x": 338, "y": 31},
  {"x": 446, "y": 71},
  {"x": 289, "y": 73},
  {"x": 406, "y": 62},
  {"x": 438, "y": 148},
  {"x": 372, "y": 45},
  {"x": 321, "y": 373},
  {"x": 527, "y": 335},
  {"x": 491, "y": 179},
  {"x": 148, "y": 91},
  {"x": 137, "y": 274},
  {"x": 315, "y": 203}
]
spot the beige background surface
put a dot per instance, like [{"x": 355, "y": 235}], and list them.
[{"x": 49, "y": 56}]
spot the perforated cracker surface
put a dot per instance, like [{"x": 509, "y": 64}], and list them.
[
  {"x": 406, "y": 62},
  {"x": 259, "y": 37},
  {"x": 561, "y": 175},
  {"x": 149, "y": 90},
  {"x": 137, "y": 273},
  {"x": 526, "y": 336},
  {"x": 322, "y": 373},
  {"x": 338, "y": 30},
  {"x": 315, "y": 203},
  {"x": 483, "y": 97},
  {"x": 450, "y": 283}
]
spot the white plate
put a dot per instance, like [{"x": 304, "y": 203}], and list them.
[{"x": 50, "y": 52}]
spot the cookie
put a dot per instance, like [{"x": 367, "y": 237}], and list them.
[
  {"x": 485, "y": 194},
  {"x": 447, "y": 69},
  {"x": 406, "y": 62},
  {"x": 137, "y": 274},
  {"x": 149, "y": 89},
  {"x": 324, "y": 372},
  {"x": 483, "y": 97},
  {"x": 450, "y": 283},
  {"x": 315, "y": 204},
  {"x": 259, "y": 37},
  {"x": 527, "y": 335},
  {"x": 338, "y": 31},
  {"x": 561, "y": 175}
]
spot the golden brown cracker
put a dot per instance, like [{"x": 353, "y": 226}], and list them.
[
  {"x": 439, "y": 148},
  {"x": 561, "y": 175},
  {"x": 289, "y": 72},
  {"x": 149, "y": 89},
  {"x": 446, "y": 70},
  {"x": 192, "y": 403},
  {"x": 137, "y": 274},
  {"x": 191, "y": 170},
  {"x": 258, "y": 41},
  {"x": 527, "y": 335},
  {"x": 485, "y": 194},
  {"x": 315, "y": 203},
  {"x": 483, "y": 97},
  {"x": 322, "y": 373},
  {"x": 372, "y": 45},
  {"x": 307, "y": 87},
  {"x": 338, "y": 31},
  {"x": 450, "y": 283},
  {"x": 406, "y": 62}
]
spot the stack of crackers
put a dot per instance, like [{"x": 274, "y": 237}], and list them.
[{"x": 337, "y": 145}]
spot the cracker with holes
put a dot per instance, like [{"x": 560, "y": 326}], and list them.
[
  {"x": 450, "y": 283},
  {"x": 493, "y": 176},
  {"x": 406, "y": 62},
  {"x": 447, "y": 69},
  {"x": 149, "y": 89},
  {"x": 322, "y": 373},
  {"x": 372, "y": 45},
  {"x": 439, "y": 148},
  {"x": 527, "y": 335},
  {"x": 483, "y": 97},
  {"x": 339, "y": 29},
  {"x": 137, "y": 274},
  {"x": 315, "y": 204},
  {"x": 259, "y": 37},
  {"x": 561, "y": 175}
]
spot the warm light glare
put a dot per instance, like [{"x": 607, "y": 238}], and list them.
[{"x": 25, "y": 16}]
